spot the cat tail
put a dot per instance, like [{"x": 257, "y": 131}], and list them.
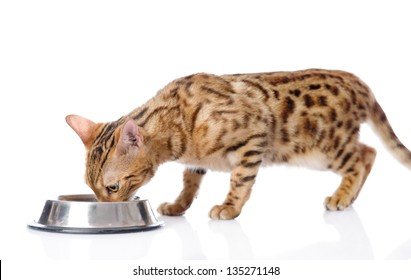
[{"x": 384, "y": 130}]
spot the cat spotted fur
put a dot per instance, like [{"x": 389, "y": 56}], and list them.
[{"x": 238, "y": 123}]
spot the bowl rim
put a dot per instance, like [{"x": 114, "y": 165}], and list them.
[{"x": 82, "y": 198}]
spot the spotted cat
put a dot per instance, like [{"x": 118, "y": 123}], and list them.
[{"x": 238, "y": 123}]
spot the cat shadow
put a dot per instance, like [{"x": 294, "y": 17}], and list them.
[
  {"x": 353, "y": 241},
  {"x": 239, "y": 246},
  {"x": 190, "y": 242},
  {"x": 402, "y": 252}
]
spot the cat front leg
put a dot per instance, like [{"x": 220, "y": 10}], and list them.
[
  {"x": 192, "y": 181},
  {"x": 242, "y": 180}
]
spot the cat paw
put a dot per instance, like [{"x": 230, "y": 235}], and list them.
[
  {"x": 171, "y": 209},
  {"x": 223, "y": 212},
  {"x": 337, "y": 203}
]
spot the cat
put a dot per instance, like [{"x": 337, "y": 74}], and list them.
[{"x": 238, "y": 123}]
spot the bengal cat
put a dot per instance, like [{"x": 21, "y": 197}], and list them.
[{"x": 238, "y": 123}]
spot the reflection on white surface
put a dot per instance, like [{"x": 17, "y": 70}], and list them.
[
  {"x": 190, "y": 242},
  {"x": 403, "y": 252},
  {"x": 179, "y": 239},
  {"x": 238, "y": 243},
  {"x": 93, "y": 246},
  {"x": 352, "y": 243}
]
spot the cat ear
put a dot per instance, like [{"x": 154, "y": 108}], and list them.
[
  {"x": 82, "y": 126},
  {"x": 130, "y": 140}
]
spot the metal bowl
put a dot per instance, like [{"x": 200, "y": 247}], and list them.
[{"x": 83, "y": 214}]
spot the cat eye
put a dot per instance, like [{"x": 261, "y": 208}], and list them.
[{"x": 113, "y": 188}]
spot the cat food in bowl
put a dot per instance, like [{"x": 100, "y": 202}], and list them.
[{"x": 83, "y": 214}]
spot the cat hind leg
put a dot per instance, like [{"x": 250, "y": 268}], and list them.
[{"x": 355, "y": 167}]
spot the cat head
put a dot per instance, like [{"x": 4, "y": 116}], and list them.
[{"x": 117, "y": 161}]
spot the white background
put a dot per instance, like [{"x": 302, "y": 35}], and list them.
[{"x": 101, "y": 59}]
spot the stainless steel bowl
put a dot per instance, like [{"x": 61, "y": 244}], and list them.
[{"x": 83, "y": 214}]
